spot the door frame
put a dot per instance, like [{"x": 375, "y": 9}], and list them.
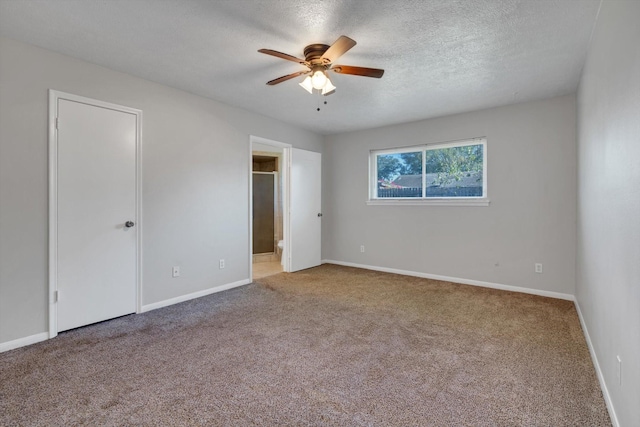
[
  {"x": 54, "y": 96},
  {"x": 286, "y": 200}
]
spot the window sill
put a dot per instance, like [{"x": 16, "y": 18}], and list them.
[{"x": 480, "y": 201}]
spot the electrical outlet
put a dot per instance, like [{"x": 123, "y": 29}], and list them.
[
  {"x": 619, "y": 370},
  {"x": 362, "y": 248},
  {"x": 221, "y": 264},
  {"x": 175, "y": 272},
  {"x": 538, "y": 268}
]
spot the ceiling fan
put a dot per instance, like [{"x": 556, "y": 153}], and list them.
[{"x": 320, "y": 58}]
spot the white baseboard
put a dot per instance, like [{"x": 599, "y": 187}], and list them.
[
  {"x": 194, "y": 295},
  {"x": 550, "y": 294},
  {"x": 21, "y": 342},
  {"x": 594, "y": 358}
]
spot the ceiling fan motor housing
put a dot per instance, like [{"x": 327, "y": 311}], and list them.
[{"x": 313, "y": 53}]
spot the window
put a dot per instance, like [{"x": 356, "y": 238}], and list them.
[{"x": 452, "y": 173}]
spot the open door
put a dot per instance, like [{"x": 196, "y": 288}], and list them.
[{"x": 305, "y": 210}]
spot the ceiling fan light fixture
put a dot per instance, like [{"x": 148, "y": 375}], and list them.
[
  {"x": 319, "y": 79},
  {"x": 306, "y": 84},
  {"x": 309, "y": 84}
]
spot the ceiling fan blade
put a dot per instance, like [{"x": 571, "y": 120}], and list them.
[
  {"x": 358, "y": 71},
  {"x": 285, "y": 78},
  {"x": 283, "y": 56},
  {"x": 337, "y": 49}
]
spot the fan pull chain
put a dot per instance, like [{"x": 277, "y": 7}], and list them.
[{"x": 319, "y": 97}]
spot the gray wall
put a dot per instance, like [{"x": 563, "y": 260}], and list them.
[
  {"x": 195, "y": 180},
  {"x": 608, "y": 255},
  {"x": 531, "y": 183}
]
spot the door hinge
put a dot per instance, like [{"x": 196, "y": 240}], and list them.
[{"x": 55, "y": 296}]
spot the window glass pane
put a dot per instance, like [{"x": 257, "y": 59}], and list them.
[
  {"x": 455, "y": 171},
  {"x": 399, "y": 174}
]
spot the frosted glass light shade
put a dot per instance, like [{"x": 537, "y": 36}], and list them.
[
  {"x": 328, "y": 87},
  {"x": 306, "y": 84}
]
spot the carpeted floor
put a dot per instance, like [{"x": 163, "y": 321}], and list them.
[{"x": 329, "y": 346}]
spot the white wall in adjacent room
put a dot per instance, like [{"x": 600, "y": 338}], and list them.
[
  {"x": 531, "y": 184},
  {"x": 608, "y": 254},
  {"x": 195, "y": 161}
]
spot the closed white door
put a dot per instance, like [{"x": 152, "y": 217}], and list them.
[
  {"x": 306, "y": 214},
  {"x": 96, "y": 197}
]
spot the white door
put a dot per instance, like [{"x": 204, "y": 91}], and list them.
[
  {"x": 96, "y": 196},
  {"x": 306, "y": 214}
]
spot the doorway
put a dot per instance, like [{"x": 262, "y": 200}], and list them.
[
  {"x": 94, "y": 211},
  {"x": 300, "y": 175}
]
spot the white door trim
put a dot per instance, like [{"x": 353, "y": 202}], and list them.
[
  {"x": 54, "y": 96},
  {"x": 286, "y": 173}
]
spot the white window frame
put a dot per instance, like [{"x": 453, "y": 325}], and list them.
[{"x": 422, "y": 201}]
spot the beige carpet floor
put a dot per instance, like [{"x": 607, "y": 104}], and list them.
[{"x": 329, "y": 346}]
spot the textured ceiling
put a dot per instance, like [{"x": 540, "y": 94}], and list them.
[{"x": 440, "y": 56}]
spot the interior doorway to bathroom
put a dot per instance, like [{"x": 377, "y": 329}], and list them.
[
  {"x": 294, "y": 243},
  {"x": 267, "y": 209}
]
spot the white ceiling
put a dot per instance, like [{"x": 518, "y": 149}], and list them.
[{"x": 440, "y": 56}]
